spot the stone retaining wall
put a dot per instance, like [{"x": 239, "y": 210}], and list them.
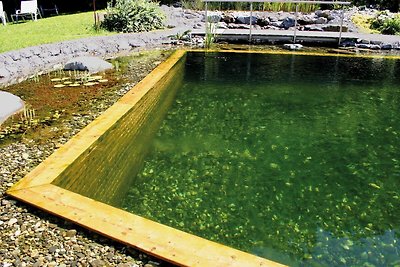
[{"x": 16, "y": 66}]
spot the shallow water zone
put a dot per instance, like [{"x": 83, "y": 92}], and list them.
[{"x": 290, "y": 157}]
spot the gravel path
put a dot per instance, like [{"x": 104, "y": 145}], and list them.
[{"x": 29, "y": 237}]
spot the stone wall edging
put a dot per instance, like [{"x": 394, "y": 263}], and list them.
[{"x": 19, "y": 65}]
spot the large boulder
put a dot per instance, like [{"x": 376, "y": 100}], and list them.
[
  {"x": 288, "y": 22},
  {"x": 306, "y": 20},
  {"x": 334, "y": 28},
  {"x": 244, "y": 18},
  {"x": 9, "y": 104},
  {"x": 214, "y": 16},
  {"x": 87, "y": 63}
]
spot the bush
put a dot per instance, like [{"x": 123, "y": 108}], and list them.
[
  {"x": 391, "y": 26},
  {"x": 386, "y": 23},
  {"x": 133, "y": 16}
]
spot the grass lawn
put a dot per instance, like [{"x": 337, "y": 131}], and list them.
[{"x": 47, "y": 30}]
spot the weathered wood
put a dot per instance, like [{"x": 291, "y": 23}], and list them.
[{"x": 156, "y": 239}]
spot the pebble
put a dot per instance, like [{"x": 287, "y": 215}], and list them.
[{"x": 70, "y": 233}]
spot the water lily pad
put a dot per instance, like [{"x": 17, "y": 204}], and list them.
[{"x": 89, "y": 84}]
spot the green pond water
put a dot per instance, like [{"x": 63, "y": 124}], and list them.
[{"x": 293, "y": 158}]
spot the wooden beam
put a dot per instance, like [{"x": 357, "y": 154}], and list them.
[{"x": 156, "y": 239}]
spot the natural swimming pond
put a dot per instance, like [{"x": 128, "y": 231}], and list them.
[
  {"x": 289, "y": 157},
  {"x": 294, "y": 158}
]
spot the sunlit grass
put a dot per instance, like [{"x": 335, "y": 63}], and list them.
[
  {"x": 47, "y": 30},
  {"x": 363, "y": 22}
]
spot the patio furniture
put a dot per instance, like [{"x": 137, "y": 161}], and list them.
[
  {"x": 51, "y": 10},
  {"x": 28, "y": 8},
  {"x": 3, "y": 15}
]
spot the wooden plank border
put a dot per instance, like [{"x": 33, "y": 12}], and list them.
[{"x": 161, "y": 241}]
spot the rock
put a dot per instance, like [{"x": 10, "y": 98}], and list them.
[
  {"x": 71, "y": 233},
  {"x": 243, "y": 18},
  {"x": 288, "y": 22},
  {"x": 228, "y": 18},
  {"x": 263, "y": 21},
  {"x": 334, "y": 28},
  {"x": 4, "y": 73},
  {"x": 386, "y": 46},
  {"x": 322, "y": 13},
  {"x": 277, "y": 24},
  {"x": 91, "y": 64},
  {"x": 293, "y": 46},
  {"x": 368, "y": 46},
  {"x": 347, "y": 43},
  {"x": 313, "y": 28},
  {"x": 53, "y": 249},
  {"x": 9, "y": 105},
  {"x": 214, "y": 16},
  {"x": 306, "y": 20},
  {"x": 12, "y": 221},
  {"x": 321, "y": 20},
  {"x": 97, "y": 263}
]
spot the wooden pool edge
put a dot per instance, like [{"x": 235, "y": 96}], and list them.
[
  {"x": 161, "y": 241},
  {"x": 298, "y": 53}
]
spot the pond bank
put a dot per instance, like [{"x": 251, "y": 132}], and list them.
[{"x": 30, "y": 237}]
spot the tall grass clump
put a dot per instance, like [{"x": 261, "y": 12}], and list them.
[
  {"x": 211, "y": 34},
  {"x": 133, "y": 16},
  {"x": 241, "y": 6}
]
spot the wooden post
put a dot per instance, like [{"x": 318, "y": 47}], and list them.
[
  {"x": 341, "y": 26},
  {"x": 251, "y": 16},
  {"x": 295, "y": 23},
  {"x": 94, "y": 13},
  {"x": 205, "y": 18}
]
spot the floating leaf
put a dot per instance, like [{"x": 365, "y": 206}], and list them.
[
  {"x": 374, "y": 185},
  {"x": 89, "y": 84},
  {"x": 274, "y": 166}
]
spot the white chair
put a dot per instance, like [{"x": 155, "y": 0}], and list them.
[
  {"x": 28, "y": 8},
  {"x": 3, "y": 15}
]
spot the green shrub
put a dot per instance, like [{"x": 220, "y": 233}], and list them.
[
  {"x": 391, "y": 26},
  {"x": 133, "y": 16},
  {"x": 386, "y": 24}
]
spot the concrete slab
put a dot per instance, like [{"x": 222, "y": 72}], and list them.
[{"x": 272, "y": 36}]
